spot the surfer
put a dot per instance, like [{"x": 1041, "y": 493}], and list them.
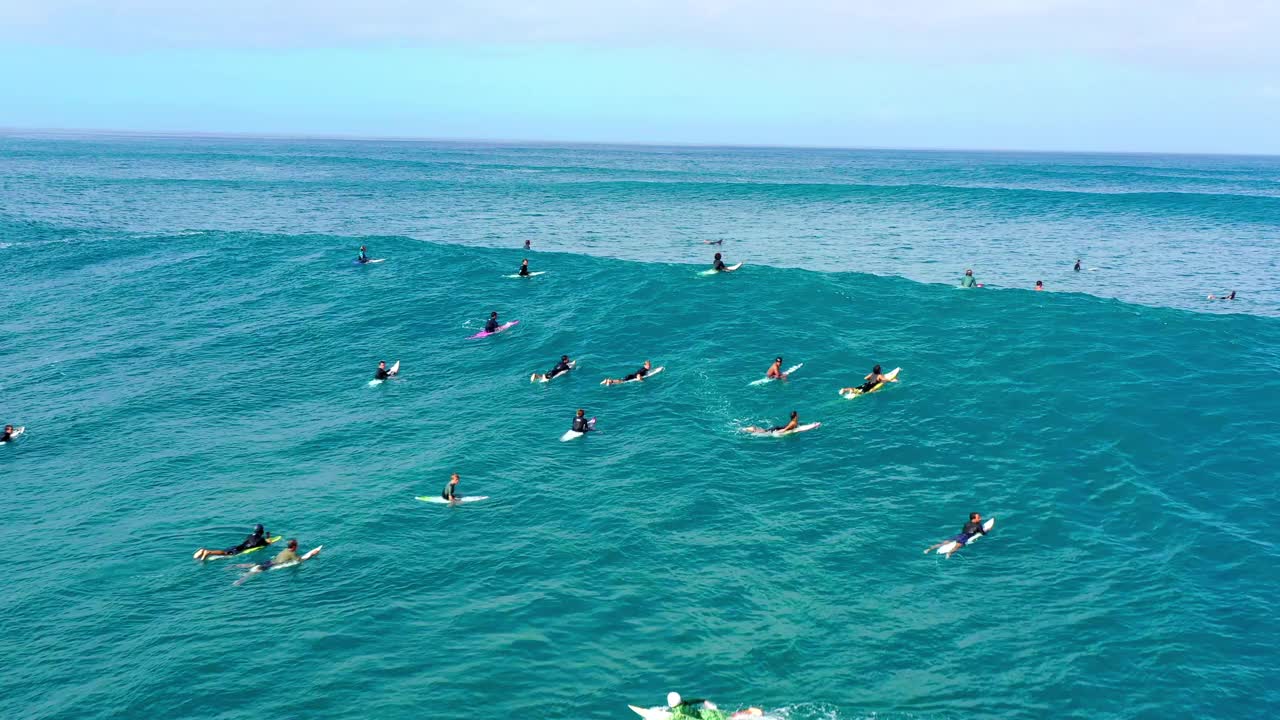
[
  {"x": 699, "y": 708},
  {"x": 1232, "y": 296},
  {"x": 580, "y": 422},
  {"x": 561, "y": 368},
  {"x": 968, "y": 280},
  {"x": 526, "y": 244},
  {"x": 492, "y": 324},
  {"x": 718, "y": 265},
  {"x": 381, "y": 373},
  {"x": 713, "y": 242},
  {"x": 255, "y": 540},
  {"x": 637, "y": 375},
  {"x": 524, "y": 268},
  {"x": 449, "y": 490},
  {"x": 362, "y": 258},
  {"x": 288, "y": 556},
  {"x": 791, "y": 425},
  {"x": 8, "y": 434},
  {"x": 775, "y": 370},
  {"x": 1039, "y": 285},
  {"x": 971, "y": 528},
  {"x": 1077, "y": 267},
  {"x": 873, "y": 378}
]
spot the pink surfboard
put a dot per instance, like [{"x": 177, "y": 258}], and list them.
[{"x": 502, "y": 327}]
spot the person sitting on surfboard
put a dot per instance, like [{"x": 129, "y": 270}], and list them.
[
  {"x": 775, "y": 370},
  {"x": 257, "y": 539},
  {"x": 381, "y": 373},
  {"x": 1039, "y": 285},
  {"x": 1077, "y": 267},
  {"x": 968, "y": 280},
  {"x": 580, "y": 422},
  {"x": 718, "y": 265},
  {"x": 637, "y": 375},
  {"x": 362, "y": 258},
  {"x": 971, "y": 528},
  {"x": 524, "y": 268},
  {"x": 561, "y": 368},
  {"x": 8, "y": 434},
  {"x": 873, "y": 378},
  {"x": 795, "y": 422},
  {"x": 448, "y": 492},
  {"x": 526, "y": 244},
  {"x": 492, "y": 324}
]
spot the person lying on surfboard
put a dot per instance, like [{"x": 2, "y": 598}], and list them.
[
  {"x": 257, "y": 539},
  {"x": 971, "y": 528},
  {"x": 362, "y": 258},
  {"x": 492, "y": 324},
  {"x": 637, "y": 375},
  {"x": 775, "y": 370},
  {"x": 449, "y": 492},
  {"x": 524, "y": 268},
  {"x": 873, "y": 378},
  {"x": 580, "y": 422},
  {"x": 288, "y": 556},
  {"x": 561, "y": 368},
  {"x": 792, "y": 425},
  {"x": 1232, "y": 296}
]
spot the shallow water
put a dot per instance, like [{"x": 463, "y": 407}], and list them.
[{"x": 191, "y": 355}]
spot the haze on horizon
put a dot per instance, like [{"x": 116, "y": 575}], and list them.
[{"x": 1176, "y": 76}]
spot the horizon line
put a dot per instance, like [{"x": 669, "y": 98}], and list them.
[{"x": 248, "y": 135}]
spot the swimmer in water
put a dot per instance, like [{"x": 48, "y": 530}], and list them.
[
  {"x": 638, "y": 375},
  {"x": 1039, "y": 285},
  {"x": 524, "y": 268},
  {"x": 970, "y": 529}
]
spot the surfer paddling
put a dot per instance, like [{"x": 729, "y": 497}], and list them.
[
  {"x": 638, "y": 376},
  {"x": 791, "y": 425},
  {"x": 873, "y": 378},
  {"x": 1232, "y": 296},
  {"x": 967, "y": 533},
  {"x": 258, "y": 538},
  {"x": 562, "y": 367},
  {"x": 285, "y": 558}
]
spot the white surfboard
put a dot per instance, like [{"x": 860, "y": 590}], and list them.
[
  {"x": 888, "y": 378},
  {"x": 648, "y": 375},
  {"x": 574, "y": 434},
  {"x": 532, "y": 274},
  {"x": 16, "y": 432},
  {"x": 952, "y": 545},
  {"x": 539, "y": 377},
  {"x": 461, "y": 498},
  {"x": 788, "y": 371},
  {"x": 391, "y": 372},
  {"x": 656, "y": 713},
  {"x": 784, "y": 433},
  {"x": 728, "y": 268}
]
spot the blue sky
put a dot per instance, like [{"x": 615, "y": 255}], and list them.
[{"x": 1181, "y": 75}]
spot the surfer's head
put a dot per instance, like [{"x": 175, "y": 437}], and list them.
[
  {"x": 968, "y": 272},
  {"x": 673, "y": 698},
  {"x": 564, "y": 358},
  {"x": 258, "y": 530},
  {"x": 382, "y": 363},
  {"x": 717, "y": 256},
  {"x": 975, "y": 517},
  {"x": 581, "y": 412},
  {"x": 453, "y": 479},
  {"x": 293, "y": 544},
  {"x": 778, "y": 359},
  {"x": 647, "y": 364},
  {"x": 794, "y": 414},
  {"x": 524, "y": 261},
  {"x": 876, "y": 369},
  {"x": 494, "y": 314},
  {"x": 361, "y": 247}
]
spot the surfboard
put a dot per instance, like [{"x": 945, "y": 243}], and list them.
[
  {"x": 270, "y": 541},
  {"x": 539, "y": 377},
  {"x": 650, "y": 374},
  {"x": 370, "y": 261},
  {"x": 574, "y": 434},
  {"x": 952, "y": 545},
  {"x": 788, "y": 371},
  {"x": 779, "y": 433},
  {"x": 532, "y": 274},
  {"x": 501, "y": 328},
  {"x": 461, "y": 498},
  {"x": 656, "y": 713},
  {"x": 728, "y": 268},
  {"x": 889, "y": 376},
  {"x": 391, "y": 372},
  {"x": 16, "y": 432}
]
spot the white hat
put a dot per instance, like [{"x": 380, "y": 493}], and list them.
[{"x": 673, "y": 699}]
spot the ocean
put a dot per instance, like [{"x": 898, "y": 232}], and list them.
[{"x": 189, "y": 344}]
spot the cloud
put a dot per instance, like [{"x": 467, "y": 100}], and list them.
[{"x": 1194, "y": 32}]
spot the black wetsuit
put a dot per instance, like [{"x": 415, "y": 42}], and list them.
[
  {"x": 719, "y": 266},
  {"x": 6, "y": 437},
  {"x": 362, "y": 258},
  {"x": 1077, "y": 268},
  {"x": 491, "y": 326},
  {"x": 381, "y": 374},
  {"x": 253, "y": 541},
  {"x": 447, "y": 493},
  {"x": 581, "y": 424},
  {"x": 970, "y": 529},
  {"x": 561, "y": 367},
  {"x": 637, "y": 375},
  {"x": 875, "y": 380},
  {"x": 524, "y": 271}
]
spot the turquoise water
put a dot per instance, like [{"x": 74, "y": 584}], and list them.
[{"x": 189, "y": 345}]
